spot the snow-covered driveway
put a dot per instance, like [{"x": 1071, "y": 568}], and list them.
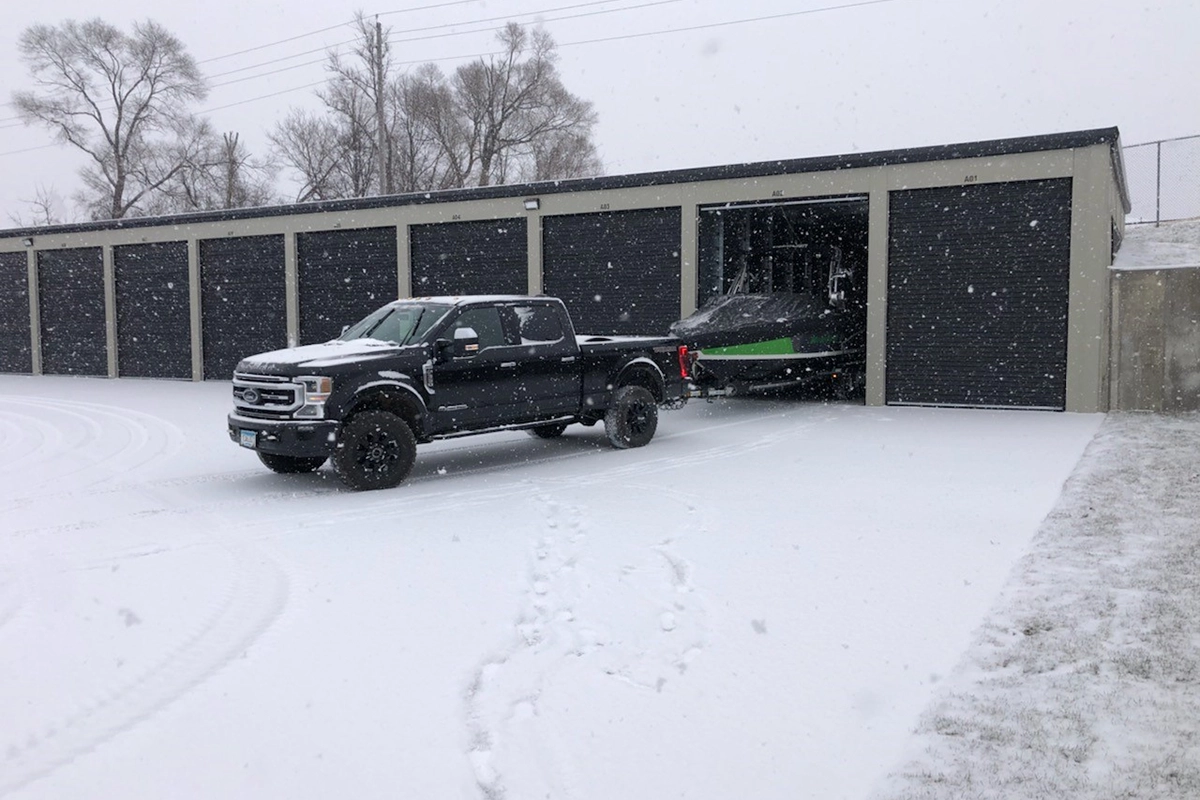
[{"x": 758, "y": 604}]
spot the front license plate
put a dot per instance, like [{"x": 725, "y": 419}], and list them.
[{"x": 247, "y": 438}]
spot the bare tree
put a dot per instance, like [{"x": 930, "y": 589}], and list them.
[
  {"x": 46, "y": 208},
  {"x": 121, "y": 98},
  {"x": 507, "y": 118},
  {"x": 311, "y": 146},
  {"x": 559, "y": 155},
  {"x": 224, "y": 175},
  {"x": 508, "y": 104}
]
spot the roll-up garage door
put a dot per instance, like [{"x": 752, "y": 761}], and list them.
[
  {"x": 618, "y": 271},
  {"x": 978, "y": 278},
  {"x": 154, "y": 331},
  {"x": 16, "y": 352},
  {"x": 243, "y": 303},
  {"x": 343, "y": 275},
  {"x": 484, "y": 257},
  {"x": 71, "y": 303}
]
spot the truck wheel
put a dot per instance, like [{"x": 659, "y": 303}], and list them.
[
  {"x": 632, "y": 417},
  {"x": 290, "y": 465},
  {"x": 375, "y": 450},
  {"x": 552, "y": 431}
]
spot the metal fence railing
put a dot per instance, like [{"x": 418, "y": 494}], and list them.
[{"x": 1163, "y": 179}]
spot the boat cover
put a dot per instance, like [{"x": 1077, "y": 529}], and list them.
[{"x": 735, "y": 319}]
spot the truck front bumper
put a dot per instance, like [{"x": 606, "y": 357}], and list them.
[{"x": 302, "y": 438}]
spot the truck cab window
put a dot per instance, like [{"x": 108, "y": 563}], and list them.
[
  {"x": 538, "y": 324},
  {"x": 486, "y": 322}
]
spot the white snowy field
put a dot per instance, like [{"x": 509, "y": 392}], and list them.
[{"x": 760, "y": 603}]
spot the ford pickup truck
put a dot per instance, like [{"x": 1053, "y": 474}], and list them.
[{"x": 439, "y": 367}]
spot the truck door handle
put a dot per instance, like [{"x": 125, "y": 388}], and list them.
[
  {"x": 568, "y": 359},
  {"x": 508, "y": 364}
]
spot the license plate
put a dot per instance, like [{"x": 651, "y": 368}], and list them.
[{"x": 247, "y": 438}]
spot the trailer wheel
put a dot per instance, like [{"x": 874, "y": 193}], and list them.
[
  {"x": 375, "y": 450},
  {"x": 290, "y": 465},
  {"x": 632, "y": 417},
  {"x": 551, "y": 431}
]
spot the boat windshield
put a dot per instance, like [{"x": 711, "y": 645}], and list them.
[{"x": 405, "y": 323}]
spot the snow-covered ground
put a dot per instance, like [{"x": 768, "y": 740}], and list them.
[
  {"x": 1084, "y": 681},
  {"x": 760, "y": 603},
  {"x": 1169, "y": 245}
]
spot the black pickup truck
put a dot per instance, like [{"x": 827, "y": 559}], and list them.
[{"x": 439, "y": 367}]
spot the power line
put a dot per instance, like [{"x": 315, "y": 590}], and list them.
[
  {"x": 730, "y": 22},
  {"x": 443, "y": 26},
  {"x": 333, "y": 27},
  {"x": 332, "y": 48},
  {"x": 639, "y": 35}
]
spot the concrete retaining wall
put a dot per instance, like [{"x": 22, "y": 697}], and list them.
[{"x": 1156, "y": 339}]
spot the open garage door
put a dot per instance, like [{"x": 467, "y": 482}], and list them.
[
  {"x": 480, "y": 257},
  {"x": 344, "y": 275},
  {"x": 243, "y": 300},
  {"x": 978, "y": 279},
  {"x": 16, "y": 351},
  {"x": 154, "y": 329},
  {"x": 71, "y": 302},
  {"x": 783, "y": 283},
  {"x": 617, "y": 271}
]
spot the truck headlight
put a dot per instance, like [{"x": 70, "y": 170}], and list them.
[{"x": 317, "y": 389}]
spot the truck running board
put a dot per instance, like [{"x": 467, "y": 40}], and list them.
[{"x": 518, "y": 427}]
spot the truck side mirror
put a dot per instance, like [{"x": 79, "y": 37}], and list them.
[{"x": 466, "y": 342}]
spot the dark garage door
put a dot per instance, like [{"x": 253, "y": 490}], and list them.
[
  {"x": 618, "y": 272},
  {"x": 154, "y": 329},
  {"x": 242, "y": 300},
  {"x": 71, "y": 303},
  {"x": 978, "y": 278},
  {"x": 487, "y": 257},
  {"x": 343, "y": 275},
  {"x": 16, "y": 352}
]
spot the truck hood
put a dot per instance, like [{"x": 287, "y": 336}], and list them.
[{"x": 328, "y": 354}]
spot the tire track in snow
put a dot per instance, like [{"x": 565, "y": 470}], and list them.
[
  {"x": 144, "y": 438},
  {"x": 17, "y": 428},
  {"x": 252, "y": 597},
  {"x": 416, "y": 494}
]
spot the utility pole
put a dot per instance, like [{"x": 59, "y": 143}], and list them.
[{"x": 385, "y": 186}]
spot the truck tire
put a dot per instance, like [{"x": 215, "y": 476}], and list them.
[
  {"x": 290, "y": 465},
  {"x": 375, "y": 450},
  {"x": 551, "y": 431},
  {"x": 632, "y": 417}
]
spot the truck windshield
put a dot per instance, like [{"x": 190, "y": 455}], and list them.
[{"x": 400, "y": 324}]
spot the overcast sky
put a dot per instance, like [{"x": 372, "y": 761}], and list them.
[{"x": 841, "y": 77}]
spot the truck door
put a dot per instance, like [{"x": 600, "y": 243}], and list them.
[
  {"x": 474, "y": 391},
  {"x": 549, "y": 356}
]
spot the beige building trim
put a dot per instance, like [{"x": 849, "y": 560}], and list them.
[
  {"x": 194, "y": 294},
  {"x": 291, "y": 288},
  {"x": 110, "y": 307},
  {"x": 35, "y": 311}
]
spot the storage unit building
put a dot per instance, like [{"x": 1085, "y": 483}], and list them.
[
  {"x": 617, "y": 271},
  {"x": 242, "y": 300},
  {"x": 74, "y": 339},
  {"x": 154, "y": 334},
  {"x": 981, "y": 270},
  {"x": 16, "y": 351},
  {"x": 342, "y": 276}
]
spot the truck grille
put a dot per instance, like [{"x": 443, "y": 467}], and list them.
[{"x": 265, "y": 396}]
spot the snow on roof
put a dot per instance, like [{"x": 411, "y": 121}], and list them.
[
  {"x": 455, "y": 300},
  {"x": 1169, "y": 245}
]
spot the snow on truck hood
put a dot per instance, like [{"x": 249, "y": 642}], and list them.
[{"x": 329, "y": 354}]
